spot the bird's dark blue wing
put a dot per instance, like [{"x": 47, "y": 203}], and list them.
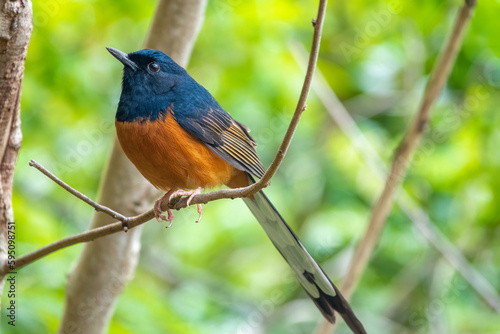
[{"x": 228, "y": 138}]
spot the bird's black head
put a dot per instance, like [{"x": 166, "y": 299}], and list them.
[
  {"x": 148, "y": 68},
  {"x": 147, "y": 65},
  {"x": 149, "y": 76}
]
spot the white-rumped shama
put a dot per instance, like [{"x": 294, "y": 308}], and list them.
[{"x": 180, "y": 138}]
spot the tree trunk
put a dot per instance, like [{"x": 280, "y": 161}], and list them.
[
  {"x": 108, "y": 263},
  {"x": 15, "y": 32}
]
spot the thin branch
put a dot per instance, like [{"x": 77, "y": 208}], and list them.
[
  {"x": 407, "y": 204},
  {"x": 418, "y": 216},
  {"x": 381, "y": 209},
  {"x": 78, "y": 194},
  {"x": 301, "y": 104},
  {"x": 131, "y": 222}
]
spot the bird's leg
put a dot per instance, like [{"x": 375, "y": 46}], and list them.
[
  {"x": 158, "y": 212},
  {"x": 191, "y": 194}
]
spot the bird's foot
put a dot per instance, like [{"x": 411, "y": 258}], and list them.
[
  {"x": 158, "y": 211},
  {"x": 191, "y": 194},
  {"x": 200, "y": 210}
]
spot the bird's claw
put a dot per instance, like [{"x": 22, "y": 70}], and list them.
[
  {"x": 200, "y": 210},
  {"x": 190, "y": 193},
  {"x": 159, "y": 213},
  {"x": 168, "y": 197}
]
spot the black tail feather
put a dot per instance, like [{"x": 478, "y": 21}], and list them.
[{"x": 311, "y": 276}]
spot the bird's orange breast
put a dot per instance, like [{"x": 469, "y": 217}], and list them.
[{"x": 171, "y": 158}]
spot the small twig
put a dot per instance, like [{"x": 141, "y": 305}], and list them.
[
  {"x": 301, "y": 104},
  {"x": 407, "y": 204},
  {"x": 131, "y": 222},
  {"x": 381, "y": 209},
  {"x": 412, "y": 139},
  {"x": 76, "y": 193}
]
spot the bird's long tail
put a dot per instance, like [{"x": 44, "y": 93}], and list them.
[{"x": 313, "y": 279}]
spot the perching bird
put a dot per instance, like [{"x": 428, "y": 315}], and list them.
[{"x": 180, "y": 138}]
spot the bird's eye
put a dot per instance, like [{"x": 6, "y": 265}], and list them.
[{"x": 153, "y": 67}]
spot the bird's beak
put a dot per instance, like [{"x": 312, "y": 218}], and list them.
[{"x": 122, "y": 57}]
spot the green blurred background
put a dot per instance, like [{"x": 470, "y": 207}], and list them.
[{"x": 223, "y": 275}]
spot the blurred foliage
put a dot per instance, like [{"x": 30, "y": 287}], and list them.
[{"x": 223, "y": 275}]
